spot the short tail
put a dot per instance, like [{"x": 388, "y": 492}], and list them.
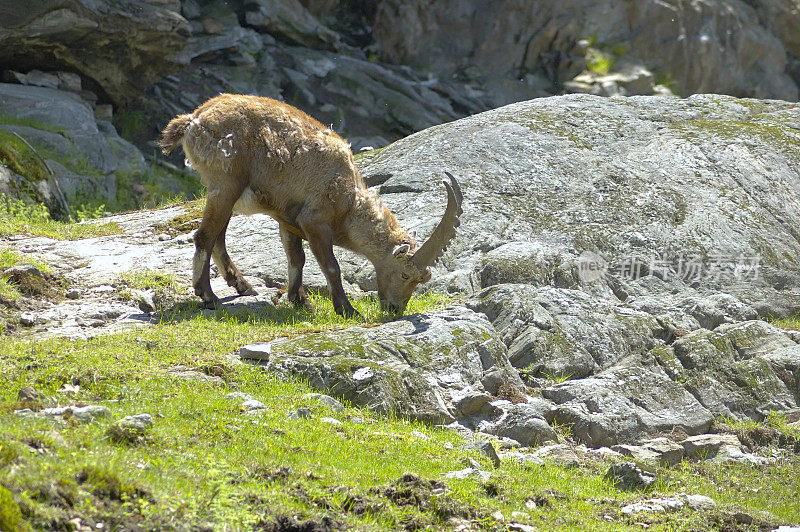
[{"x": 173, "y": 133}]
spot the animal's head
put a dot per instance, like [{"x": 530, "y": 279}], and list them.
[{"x": 405, "y": 268}]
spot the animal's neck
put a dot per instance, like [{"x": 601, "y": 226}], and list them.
[{"x": 372, "y": 229}]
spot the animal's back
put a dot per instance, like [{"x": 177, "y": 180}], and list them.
[{"x": 286, "y": 152}]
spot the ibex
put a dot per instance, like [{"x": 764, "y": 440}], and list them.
[{"x": 259, "y": 155}]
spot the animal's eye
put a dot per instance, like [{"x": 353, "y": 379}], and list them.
[{"x": 404, "y": 276}]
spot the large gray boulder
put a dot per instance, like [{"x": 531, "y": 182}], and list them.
[
  {"x": 414, "y": 366},
  {"x": 672, "y": 197}
]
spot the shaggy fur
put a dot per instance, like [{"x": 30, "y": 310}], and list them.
[{"x": 257, "y": 154}]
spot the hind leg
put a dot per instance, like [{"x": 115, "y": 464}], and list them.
[
  {"x": 228, "y": 269},
  {"x": 219, "y": 207},
  {"x": 293, "y": 246}
]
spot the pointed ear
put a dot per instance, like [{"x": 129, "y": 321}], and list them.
[{"x": 402, "y": 249}]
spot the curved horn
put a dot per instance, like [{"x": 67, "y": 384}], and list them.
[{"x": 436, "y": 244}]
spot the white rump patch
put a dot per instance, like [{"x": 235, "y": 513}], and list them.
[{"x": 248, "y": 203}]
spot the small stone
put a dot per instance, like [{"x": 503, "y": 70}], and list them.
[
  {"x": 363, "y": 374},
  {"x": 486, "y": 448},
  {"x": 300, "y": 413},
  {"x": 669, "y": 453},
  {"x": 520, "y": 527},
  {"x": 498, "y": 516},
  {"x": 472, "y": 403},
  {"x": 640, "y": 507},
  {"x": 629, "y": 476},
  {"x": 325, "y": 400},
  {"x": 145, "y": 299},
  {"x": 730, "y": 453},
  {"x": 252, "y": 405},
  {"x": 41, "y": 79},
  {"x": 256, "y": 351},
  {"x": 27, "y": 319},
  {"x": 72, "y": 293},
  {"x": 330, "y": 420},
  {"x": 707, "y": 445},
  {"x": 698, "y": 502},
  {"x": 130, "y": 428}
]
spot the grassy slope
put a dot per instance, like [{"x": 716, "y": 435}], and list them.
[{"x": 206, "y": 463}]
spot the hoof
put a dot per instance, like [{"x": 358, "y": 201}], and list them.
[
  {"x": 302, "y": 304},
  {"x": 211, "y": 304},
  {"x": 348, "y": 312},
  {"x": 247, "y": 291}
]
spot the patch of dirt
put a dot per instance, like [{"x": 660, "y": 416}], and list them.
[
  {"x": 28, "y": 283},
  {"x": 428, "y": 495},
  {"x": 738, "y": 522},
  {"x": 274, "y": 474},
  {"x": 359, "y": 505},
  {"x": 286, "y": 523},
  {"x": 511, "y": 393}
]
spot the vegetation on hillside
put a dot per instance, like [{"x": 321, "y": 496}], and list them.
[{"x": 208, "y": 463}]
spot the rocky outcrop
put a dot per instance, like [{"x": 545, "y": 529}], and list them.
[
  {"x": 119, "y": 48},
  {"x": 737, "y": 48},
  {"x": 614, "y": 259},
  {"x": 417, "y": 366},
  {"x": 84, "y": 154},
  {"x": 379, "y": 71}
]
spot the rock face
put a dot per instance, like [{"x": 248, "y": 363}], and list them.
[
  {"x": 121, "y": 48},
  {"x": 63, "y": 126},
  {"x": 739, "y": 48},
  {"x": 378, "y": 71},
  {"x": 614, "y": 258}
]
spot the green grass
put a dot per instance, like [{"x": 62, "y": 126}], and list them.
[
  {"x": 792, "y": 322},
  {"x": 6, "y": 118},
  {"x": 20, "y": 159},
  {"x": 206, "y": 462},
  {"x": 157, "y": 186},
  {"x": 599, "y": 62},
  {"x": 9, "y": 258},
  {"x": 19, "y": 217}
]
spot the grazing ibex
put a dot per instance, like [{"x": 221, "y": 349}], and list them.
[{"x": 258, "y": 155}]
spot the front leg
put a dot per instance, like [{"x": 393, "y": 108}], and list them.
[
  {"x": 293, "y": 246},
  {"x": 320, "y": 239}
]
